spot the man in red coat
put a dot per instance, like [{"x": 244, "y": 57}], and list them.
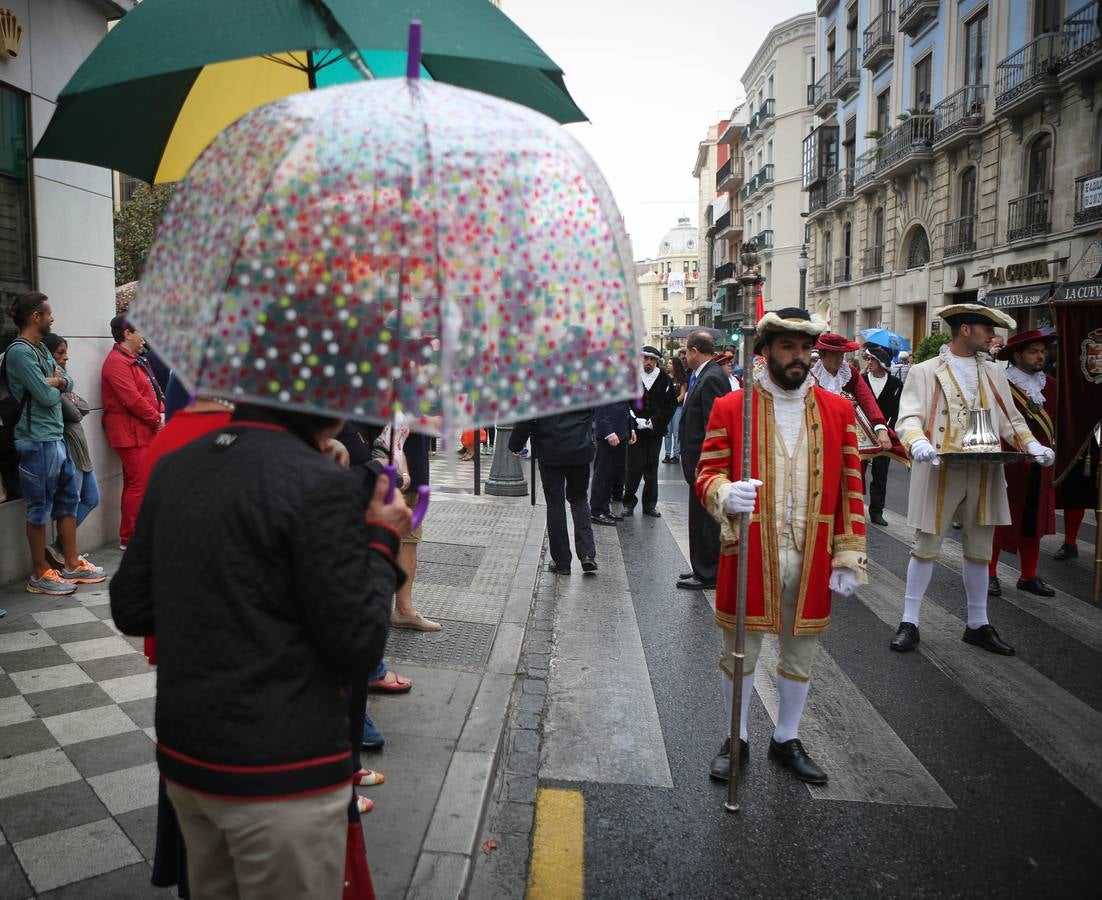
[
  {"x": 834, "y": 374},
  {"x": 1029, "y": 487},
  {"x": 133, "y": 413},
  {"x": 808, "y": 531}
]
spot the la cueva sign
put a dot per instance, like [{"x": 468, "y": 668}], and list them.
[{"x": 1033, "y": 270}]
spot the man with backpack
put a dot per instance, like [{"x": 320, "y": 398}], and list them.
[{"x": 30, "y": 401}]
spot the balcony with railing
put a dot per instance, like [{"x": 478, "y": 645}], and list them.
[
  {"x": 1082, "y": 42},
  {"x": 1030, "y": 75},
  {"x": 839, "y": 188},
  {"x": 960, "y": 236},
  {"x": 744, "y": 192},
  {"x": 820, "y": 155},
  {"x": 914, "y": 15},
  {"x": 845, "y": 76},
  {"x": 865, "y": 171},
  {"x": 765, "y": 177},
  {"x": 1029, "y": 216},
  {"x": 725, "y": 272},
  {"x": 843, "y": 270},
  {"x": 763, "y": 240},
  {"x": 879, "y": 43},
  {"x": 907, "y": 146},
  {"x": 816, "y": 199},
  {"x": 959, "y": 116},
  {"x": 767, "y": 112},
  {"x": 722, "y": 222},
  {"x": 819, "y": 98},
  {"x": 872, "y": 260},
  {"x": 729, "y": 174},
  {"x": 820, "y": 275},
  {"x": 732, "y": 227},
  {"x": 1088, "y": 198}
]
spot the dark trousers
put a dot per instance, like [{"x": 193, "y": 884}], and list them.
[
  {"x": 562, "y": 484},
  {"x": 703, "y": 541},
  {"x": 607, "y": 467},
  {"x": 878, "y": 487},
  {"x": 643, "y": 466}
]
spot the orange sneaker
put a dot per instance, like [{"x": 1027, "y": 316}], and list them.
[{"x": 84, "y": 573}]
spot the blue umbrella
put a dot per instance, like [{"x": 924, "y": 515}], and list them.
[{"x": 884, "y": 338}]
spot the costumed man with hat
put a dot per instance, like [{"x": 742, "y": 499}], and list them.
[
  {"x": 1029, "y": 487},
  {"x": 886, "y": 389},
  {"x": 807, "y": 529},
  {"x": 933, "y": 417},
  {"x": 834, "y": 374},
  {"x": 652, "y": 418}
]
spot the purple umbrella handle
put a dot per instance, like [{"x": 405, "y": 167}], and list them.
[
  {"x": 422, "y": 505},
  {"x": 413, "y": 56},
  {"x": 391, "y": 473}
]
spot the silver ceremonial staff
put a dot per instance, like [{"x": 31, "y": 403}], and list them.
[{"x": 750, "y": 280}]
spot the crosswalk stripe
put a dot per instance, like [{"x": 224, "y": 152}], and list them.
[
  {"x": 1057, "y": 726},
  {"x": 602, "y": 719},
  {"x": 558, "y": 846},
  {"x": 1065, "y": 613},
  {"x": 867, "y": 761}
]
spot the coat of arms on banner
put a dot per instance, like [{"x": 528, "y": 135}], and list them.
[{"x": 1090, "y": 357}]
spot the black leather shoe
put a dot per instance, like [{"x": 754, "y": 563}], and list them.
[
  {"x": 877, "y": 517},
  {"x": 685, "y": 575},
  {"x": 1035, "y": 586},
  {"x": 994, "y": 589},
  {"x": 589, "y": 565},
  {"x": 616, "y": 517},
  {"x": 653, "y": 513},
  {"x": 792, "y": 755},
  {"x": 693, "y": 583},
  {"x": 1066, "y": 551},
  {"x": 985, "y": 636},
  {"x": 602, "y": 519},
  {"x": 956, "y": 525},
  {"x": 720, "y": 768},
  {"x": 555, "y": 569},
  {"x": 629, "y": 510},
  {"x": 906, "y": 637}
]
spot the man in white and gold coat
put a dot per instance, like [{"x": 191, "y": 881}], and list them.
[{"x": 933, "y": 417}]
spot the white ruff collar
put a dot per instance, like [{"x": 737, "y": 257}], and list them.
[
  {"x": 649, "y": 378},
  {"x": 832, "y": 383},
  {"x": 1032, "y": 385}
]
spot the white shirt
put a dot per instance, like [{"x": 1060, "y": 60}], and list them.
[
  {"x": 877, "y": 382},
  {"x": 788, "y": 408},
  {"x": 966, "y": 370}
]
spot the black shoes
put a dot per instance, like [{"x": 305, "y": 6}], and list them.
[
  {"x": 589, "y": 565},
  {"x": 876, "y": 516},
  {"x": 985, "y": 636},
  {"x": 1066, "y": 551},
  {"x": 994, "y": 589},
  {"x": 1036, "y": 586},
  {"x": 906, "y": 637},
  {"x": 685, "y": 575},
  {"x": 692, "y": 583},
  {"x": 956, "y": 525},
  {"x": 602, "y": 519},
  {"x": 555, "y": 569},
  {"x": 720, "y": 768},
  {"x": 792, "y": 755},
  {"x": 653, "y": 513},
  {"x": 629, "y": 510}
]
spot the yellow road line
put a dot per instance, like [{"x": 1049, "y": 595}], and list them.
[{"x": 558, "y": 849}]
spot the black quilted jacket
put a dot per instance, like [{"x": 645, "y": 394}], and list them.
[{"x": 267, "y": 592}]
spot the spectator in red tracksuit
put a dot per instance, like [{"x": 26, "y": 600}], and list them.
[{"x": 133, "y": 413}]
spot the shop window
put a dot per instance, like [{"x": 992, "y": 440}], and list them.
[{"x": 15, "y": 210}]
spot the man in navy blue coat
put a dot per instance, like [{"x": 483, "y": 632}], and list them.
[{"x": 613, "y": 431}]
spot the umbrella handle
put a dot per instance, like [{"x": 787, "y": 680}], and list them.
[
  {"x": 422, "y": 505},
  {"x": 391, "y": 473},
  {"x": 413, "y": 53}
]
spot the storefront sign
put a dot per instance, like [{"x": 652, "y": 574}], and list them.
[
  {"x": 1027, "y": 271},
  {"x": 11, "y": 34},
  {"x": 1078, "y": 291},
  {"x": 1092, "y": 193},
  {"x": 1011, "y": 298}
]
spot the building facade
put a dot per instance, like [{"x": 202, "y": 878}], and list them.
[
  {"x": 726, "y": 231},
  {"x": 669, "y": 283},
  {"x": 710, "y": 156},
  {"x": 56, "y": 229},
  {"x": 956, "y": 156}
]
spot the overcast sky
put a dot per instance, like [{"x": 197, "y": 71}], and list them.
[{"x": 651, "y": 75}]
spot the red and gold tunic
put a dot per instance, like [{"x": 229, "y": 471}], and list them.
[
  {"x": 833, "y": 521},
  {"x": 1029, "y": 489}
]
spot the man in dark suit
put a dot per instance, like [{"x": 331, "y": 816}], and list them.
[
  {"x": 707, "y": 383},
  {"x": 613, "y": 430},
  {"x": 886, "y": 388},
  {"x": 652, "y": 417}
]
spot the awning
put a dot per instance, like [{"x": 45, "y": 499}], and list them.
[
  {"x": 1079, "y": 291},
  {"x": 1009, "y": 298}
]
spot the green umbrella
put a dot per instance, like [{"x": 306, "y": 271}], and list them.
[{"x": 173, "y": 73}]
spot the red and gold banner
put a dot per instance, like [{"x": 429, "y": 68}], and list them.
[{"x": 1079, "y": 328}]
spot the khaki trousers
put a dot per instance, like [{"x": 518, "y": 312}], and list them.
[
  {"x": 797, "y": 653},
  {"x": 961, "y": 502},
  {"x": 288, "y": 849}
]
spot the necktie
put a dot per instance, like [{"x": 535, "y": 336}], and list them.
[{"x": 692, "y": 381}]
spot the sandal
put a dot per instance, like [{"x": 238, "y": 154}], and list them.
[
  {"x": 367, "y": 778},
  {"x": 390, "y": 683},
  {"x": 363, "y": 805},
  {"x": 417, "y": 622}
]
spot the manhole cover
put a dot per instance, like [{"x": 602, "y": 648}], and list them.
[
  {"x": 461, "y": 645},
  {"x": 451, "y": 554}
]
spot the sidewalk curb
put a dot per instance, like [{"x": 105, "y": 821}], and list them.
[{"x": 445, "y": 863}]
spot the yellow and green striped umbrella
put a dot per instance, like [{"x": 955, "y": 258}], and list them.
[{"x": 173, "y": 73}]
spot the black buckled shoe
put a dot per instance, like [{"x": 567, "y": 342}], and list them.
[
  {"x": 602, "y": 519},
  {"x": 792, "y": 755},
  {"x": 695, "y": 584},
  {"x": 994, "y": 589},
  {"x": 1066, "y": 551},
  {"x": 906, "y": 637},
  {"x": 720, "y": 768},
  {"x": 987, "y": 637},
  {"x": 1036, "y": 586}
]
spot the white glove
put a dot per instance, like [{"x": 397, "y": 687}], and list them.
[
  {"x": 923, "y": 451},
  {"x": 843, "y": 581},
  {"x": 739, "y": 496},
  {"x": 643, "y": 424},
  {"x": 1041, "y": 454}
]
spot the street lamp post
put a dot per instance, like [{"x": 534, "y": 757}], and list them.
[{"x": 802, "y": 262}]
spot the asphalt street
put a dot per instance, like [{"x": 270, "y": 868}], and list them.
[{"x": 953, "y": 772}]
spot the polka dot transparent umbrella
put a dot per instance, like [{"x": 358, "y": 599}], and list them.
[{"x": 396, "y": 245}]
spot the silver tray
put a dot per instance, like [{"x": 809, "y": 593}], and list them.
[{"x": 983, "y": 456}]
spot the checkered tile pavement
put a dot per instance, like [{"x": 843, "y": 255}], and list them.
[{"x": 78, "y": 778}]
